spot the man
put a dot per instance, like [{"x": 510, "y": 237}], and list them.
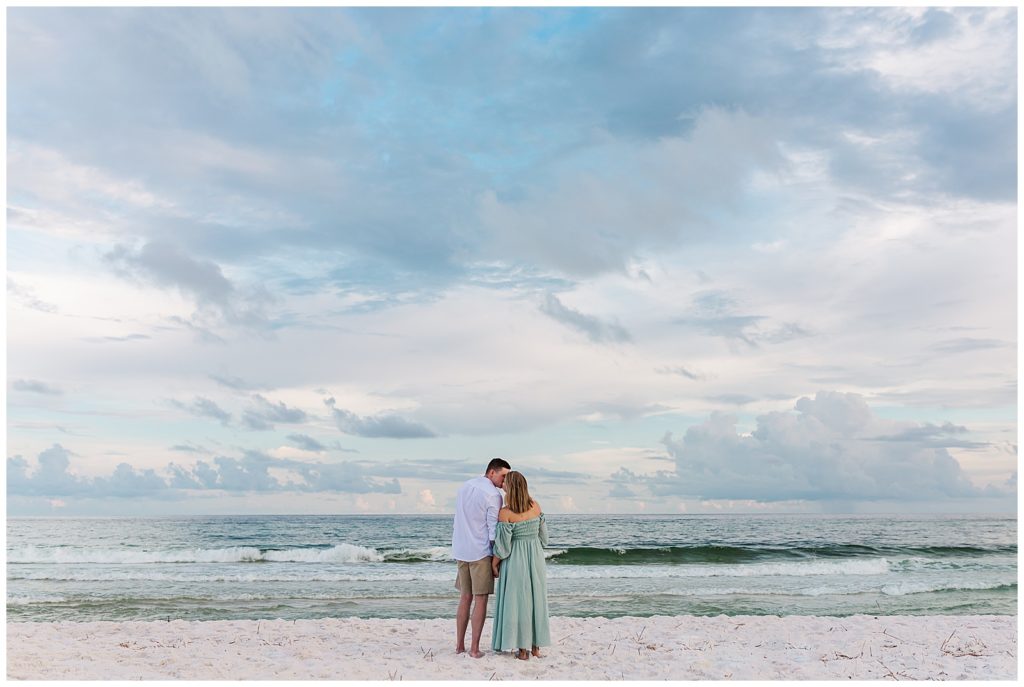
[{"x": 476, "y": 519}]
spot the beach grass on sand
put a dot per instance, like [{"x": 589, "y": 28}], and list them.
[{"x": 662, "y": 647}]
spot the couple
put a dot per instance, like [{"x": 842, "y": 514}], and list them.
[{"x": 491, "y": 542}]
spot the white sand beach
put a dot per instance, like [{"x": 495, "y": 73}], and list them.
[{"x": 679, "y": 648}]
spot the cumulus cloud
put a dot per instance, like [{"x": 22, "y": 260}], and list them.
[
  {"x": 254, "y": 472},
  {"x": 251, "y": 473},
  {"x": 833, "y": 447},
  {"x": 426, "y": 498},
  {"x": 594, "y": 328},
  {"x": 52, "y": 478},
  {"x": 384, "y": 425},
  {"x": 620, "y": 481}
]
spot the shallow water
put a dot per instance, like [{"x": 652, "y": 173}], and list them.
[{"x": 232, "y": 567}]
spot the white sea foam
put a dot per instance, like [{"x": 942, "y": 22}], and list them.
[
  {"x": 31, "y": 600},
  {"x": 431, "y": 554},
  {"x": 341, "y": 553},
  {"x": 893, "y": 589},
  {"x": 873, "y": 566},
  {"x": 281, "y": 576},
  {"x": 904, "y": 588}
]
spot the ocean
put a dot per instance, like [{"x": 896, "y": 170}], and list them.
[{"x": 288, "y": 566}]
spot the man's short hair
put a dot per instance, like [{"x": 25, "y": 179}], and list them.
[{"x": 497, "y": 464}]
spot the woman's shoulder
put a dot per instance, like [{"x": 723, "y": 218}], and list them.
[{"x": 505, "y": 515}]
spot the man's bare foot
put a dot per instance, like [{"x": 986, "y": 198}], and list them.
[
  {"x": 536, "y": 651},
  {"x": 460, "y": 649},
  {"x": 476, "y": 653},
  {"x": 523, "y": 655}
]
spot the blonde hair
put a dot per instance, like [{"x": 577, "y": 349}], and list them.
[{"x": 516, "y": 494}]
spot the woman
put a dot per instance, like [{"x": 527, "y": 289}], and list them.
[{"x": 521, "y": 613}]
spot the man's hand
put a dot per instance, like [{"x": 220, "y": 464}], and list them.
[{"x": 495, "y": 564}]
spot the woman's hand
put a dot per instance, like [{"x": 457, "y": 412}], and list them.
[{"x": 495, "y": 564}]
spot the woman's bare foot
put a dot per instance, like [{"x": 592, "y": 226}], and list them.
[
  {"x": 536, "y": 651},
  {"x": 523, "y": 655}
]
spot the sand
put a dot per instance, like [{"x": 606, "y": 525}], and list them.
[{"x": 678, "y": 648}]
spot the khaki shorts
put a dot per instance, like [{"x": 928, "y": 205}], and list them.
[{"x": 475, "y": 577}]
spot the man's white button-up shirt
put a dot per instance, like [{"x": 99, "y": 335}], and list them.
[{"x": 476, "y": 518}]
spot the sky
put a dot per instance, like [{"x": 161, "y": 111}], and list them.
[{"x": 673, "y": 260}]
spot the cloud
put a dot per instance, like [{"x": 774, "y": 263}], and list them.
[
  {"x": 595, "y": 330},
  {"x": 127, "y": 337},
  {"x": 36, "y": 387},
  {"x": 52, "y": 478},
  {"x": 681, "y": 371},
  {"x": 166, "y": 265},
  {"x": 126, "y": 481},
  {"x": 383, "y": 425},
  {"x": 188, "y": 447},
  {"x": 264, "y": 413},
  {"x": 306, "y": 442},
  {"x": 26, "y": 296},
  {"x": 444, "y": 470},
  {"x": 621, "y": 491},
  {"x": 927, "y": 434},
  {"x": 412, "y": 209},
  {"x": 829, "y": 450},
  {"x": 250, "y": 473},
  {"x": 204, "y": 407},
  {"x": 620, "y": 479},
  {"x": 612, "y": 196},
  {"x": 967, "y": 344},
  {"x": 426, "y": 498},
  {"x": 231, "y": 382},
  {"x": 713, "y": 312},
  {"x": 732, "y": 399},
  {"x": 532, "y": 472}
]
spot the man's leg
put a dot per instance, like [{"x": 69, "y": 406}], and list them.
[
  {"x": 462, "y": 621},
  {"x": 479, "y": 614}
]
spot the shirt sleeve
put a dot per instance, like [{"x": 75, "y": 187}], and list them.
[
  {"x": 543, "y": 531},
  {"x": 503, "y": 540},
  {"x": 493, "y": 506}
]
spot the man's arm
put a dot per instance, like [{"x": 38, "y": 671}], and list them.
[{"x": 493, "y": 506}]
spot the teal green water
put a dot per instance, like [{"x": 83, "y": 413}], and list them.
[{"x": 399, "y": 566}]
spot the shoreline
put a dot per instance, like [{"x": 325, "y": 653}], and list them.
[{"x": 862, "y": 647}]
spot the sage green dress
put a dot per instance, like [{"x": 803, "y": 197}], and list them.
[{"x": 521, "y": 613}]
